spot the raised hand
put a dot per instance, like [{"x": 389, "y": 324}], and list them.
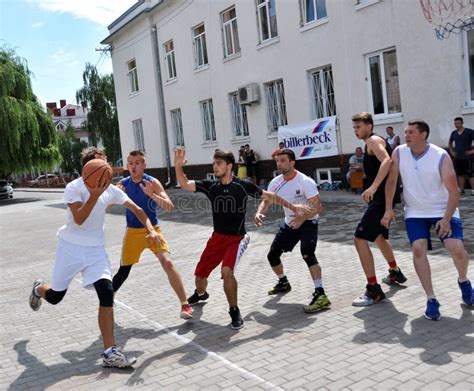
[{"x": 179, "y": 157}]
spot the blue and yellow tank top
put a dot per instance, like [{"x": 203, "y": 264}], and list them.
[{"x": 138, "y": 196}]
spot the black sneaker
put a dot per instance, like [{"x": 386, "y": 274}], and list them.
[
  {"x": 195, "y": 298},
  {"x": 394, "y": 276},
  {"x": 280, "y": 287},
  {"x": 237, "y": 321}
]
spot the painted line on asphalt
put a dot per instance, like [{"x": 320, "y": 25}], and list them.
[{"x": 225, "y": 361}]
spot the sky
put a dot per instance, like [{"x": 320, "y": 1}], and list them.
[{"x": 57, "y": 38}]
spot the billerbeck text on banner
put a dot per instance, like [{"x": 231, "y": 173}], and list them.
[{"x": 311, "y": 139}]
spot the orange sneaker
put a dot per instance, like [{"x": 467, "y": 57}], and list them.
[{"x": 186, "y": 312}]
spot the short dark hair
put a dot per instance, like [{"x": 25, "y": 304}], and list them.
[
  {"x": 288, "y": 152},
  {"x": 389, "y": 127},
  {"x": 137, "y": 152},
  {"x": 90, "y": 154},
  {"x": 459, "y": 119},
  {"x": 421, "y": 125},
  {"x": 247, "y": 145},
  {"x": 364, "y": 117},
  {"x": 226, "y": 155},
  {"x": 281, "y": 142}
]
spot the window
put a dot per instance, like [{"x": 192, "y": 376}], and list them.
[
  {"x": 170, "y": 61},
  {"x": 138, "y": 135},
  {"x": 200, "y": 48},
  {"x": 230, "y": 33},
  {"x": 322, "y": 92},
  {"x": 276, "y": 106},
  {"x": 132, "y": 76},
  {"x": 267, "y": 22},
  {"x": 470, "y": 64},
  {"x": 238, "y": 114},
  {"x": 177, "y": 124},
  {"x": 383, "y": 82},
  {"x": 312, "y": 10},
  {"x": 60, "y": 126},
  {"x": 207, "y": 117}
]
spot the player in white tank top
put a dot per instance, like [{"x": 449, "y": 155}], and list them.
[{"x": 431, "y": 198}]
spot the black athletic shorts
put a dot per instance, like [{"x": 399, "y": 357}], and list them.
[
  {"x": 464, "y": 167},
  {"x": 369, "y": 227},
  {"x": 287, "y": 238},
  {"x": 251, "y": 170}
]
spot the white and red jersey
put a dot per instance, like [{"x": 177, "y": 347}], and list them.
[{"x": 297, "y": 190}]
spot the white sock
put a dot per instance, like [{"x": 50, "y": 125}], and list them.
[
  {"x": 463, "y": 280},
  {"x": 109, "y": 350},
  {"x": 431, "y": 297},
  {"x": 318, "y": 283},
  {"x": 280, "y": 276}
]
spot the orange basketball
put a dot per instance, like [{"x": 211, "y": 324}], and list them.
[{"x": 96, "y": 170}]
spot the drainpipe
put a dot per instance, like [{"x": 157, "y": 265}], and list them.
[{"x": 161, "y": 103}]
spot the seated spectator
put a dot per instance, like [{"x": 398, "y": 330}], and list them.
[
  {"x": 356, "y": 163},
  {"x": 280, "y": 147}
]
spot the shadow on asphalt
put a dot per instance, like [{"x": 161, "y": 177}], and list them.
[
  {"x": 37, "y": 375},
  {"x": 21, "y": 200},
  {"x": 384, "y": 324},
  {"x": 211, "y": 339}
]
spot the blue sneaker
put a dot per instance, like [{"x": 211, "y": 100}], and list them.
[
  {"x": 466, "y": 292},
  {"x": 432, "y": 310}
]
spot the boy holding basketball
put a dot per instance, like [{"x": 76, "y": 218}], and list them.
[
  {"x": 81, "y": 248},
  {"x": 148, "y": 193}
]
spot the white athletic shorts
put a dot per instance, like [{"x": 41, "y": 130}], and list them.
[{"x": 71, "y": 259}]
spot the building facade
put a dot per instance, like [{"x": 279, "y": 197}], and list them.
[
  {"x": 183, "y": 68},
  {"x": 66, "y": 113}
]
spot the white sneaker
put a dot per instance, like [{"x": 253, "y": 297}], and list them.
[
  {"x": 363, "y": 301},
  {"x": 116, "y": 359},
  {"x": 35, "y": 300}
]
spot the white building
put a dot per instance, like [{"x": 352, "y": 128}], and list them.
[
  {"x": 67, "y": 113},
  {"x": 304, "y": 58}
]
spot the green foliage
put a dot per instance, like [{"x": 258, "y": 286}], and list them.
[
  {"x": 98, "y": 95},
  {"x": 70, "y": 149},
  {"x": 27, "y": 133}
]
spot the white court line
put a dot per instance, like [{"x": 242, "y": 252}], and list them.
[{"x": 196, "y": 345}]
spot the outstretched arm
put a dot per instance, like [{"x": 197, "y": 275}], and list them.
[
  {"x": 179, "y": 162},
  {"x": 270, "y": 197}
]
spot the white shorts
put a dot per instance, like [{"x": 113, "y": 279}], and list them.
[{"x": 71, "y": 259}]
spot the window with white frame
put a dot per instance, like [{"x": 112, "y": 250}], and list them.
[
  {"x": 170, "y": 60},
  {"x": 132, "y": 76},
  {"x": 267, "y": 22},
  {"x": 200, "y": 48},
  {"x": 383, "y": 82},
  {"x": 322, "y": 92},
  {"x": 312, "y": 10},
  {"x": 138, "y": 135},
  {"x": 207, "y": 118},
  {"x": 238, "y": 113},
  {"x": 469, "y": 58},
  {"x": 177, "y": 124},
  {"x": 276, "y": 106},
  {"x": 230, "y": 33}
]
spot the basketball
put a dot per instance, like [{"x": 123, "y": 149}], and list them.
[{"x": 96, "y": 170}]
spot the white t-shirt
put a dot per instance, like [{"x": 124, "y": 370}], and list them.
[
  {"x": 296, "y": 190},
  {"x": 92, "y": 231},
  {"x": 424, "y": 192}
]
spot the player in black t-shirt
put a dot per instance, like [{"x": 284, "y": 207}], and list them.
[{"x": 228, "y": 196}]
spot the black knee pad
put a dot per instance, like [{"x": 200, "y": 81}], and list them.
[
  {"x": 54, "y": 297},
  {"x": 274, "y": 257},
  {"x": 309, "y": 257},
  {"x": 105, "y": 292}
]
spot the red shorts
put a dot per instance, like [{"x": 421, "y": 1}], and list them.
[{"x": 227, "y": 249}]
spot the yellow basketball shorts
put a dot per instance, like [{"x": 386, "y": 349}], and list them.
[{"x": 135, "y": 242}]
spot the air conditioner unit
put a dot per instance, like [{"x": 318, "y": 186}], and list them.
[{"x": 248, "y": 94}]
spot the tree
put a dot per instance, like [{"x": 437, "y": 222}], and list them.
[
  {"x": 27, "y": 133},
  {"x": 70, "y": 148},
  {"x": 98, "y": 95}
]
